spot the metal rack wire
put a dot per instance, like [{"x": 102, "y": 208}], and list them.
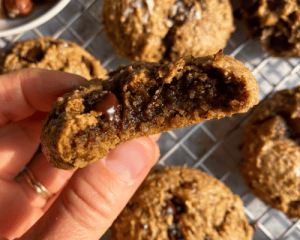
[{"x": 213, "y": 146}]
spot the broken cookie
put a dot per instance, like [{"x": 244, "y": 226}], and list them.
[
  {"x": 141, "y": 100},
  {"x": 179, "y": 203},
  {"x": 271, "y": 167},
  {"x": 53, "y": 54}
]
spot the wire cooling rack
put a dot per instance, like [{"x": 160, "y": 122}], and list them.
[{"x": 214, "y": 146}]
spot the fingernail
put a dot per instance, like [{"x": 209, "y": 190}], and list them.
[{"x": 128, "y": 159}]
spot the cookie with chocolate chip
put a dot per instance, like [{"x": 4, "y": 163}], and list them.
[
  {"x": 141, "y": 100},
  {"x": 271, "y": 167},
  {"x": 276, "y": 23},
  {"x": 179, "y": 203},
  {"x": 163, "y": 30},
  {"x": 54, "y": 54}
]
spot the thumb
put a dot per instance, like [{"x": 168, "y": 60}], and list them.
[{"x": 95, "y": 195}]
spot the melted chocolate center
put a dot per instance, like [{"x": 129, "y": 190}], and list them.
[{"x": 109, "y": 106}]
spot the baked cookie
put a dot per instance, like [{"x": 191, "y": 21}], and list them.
[
  {"x": 141, "y": 100},
  {"x": 271, "y": 167},
  {"x": 163, "y": 30},
  {"x": 48, "y": 53},
  {"x": 180, "y": 203},
  {"x": 276, "y": 23}
]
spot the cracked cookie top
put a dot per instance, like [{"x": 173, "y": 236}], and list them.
[
  {"x": 163, "y": 30},
  {"x": 271, "y": 149},
  {"x": 52, "y": 54},
  {"x": 179, "y": 203}
]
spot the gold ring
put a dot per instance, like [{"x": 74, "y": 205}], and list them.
[{"x": 39, "y": 188}]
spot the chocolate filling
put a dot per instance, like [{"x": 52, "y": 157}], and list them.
[
  {"x": 109, "y": 106},
  {"x": 153, "y": 103}
]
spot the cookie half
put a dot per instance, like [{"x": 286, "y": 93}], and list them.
[
  {"x": 276, "y": 23},
  {"x": 163, "y": 30},
  {"x": 179, "y": 203},
  {"x": 53, "y": 54},
  {"x": 271, "y": 167},
  {"x": 141, "y": 100}
]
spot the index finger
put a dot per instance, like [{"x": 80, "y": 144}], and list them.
[{"x": 24, "y": 92}]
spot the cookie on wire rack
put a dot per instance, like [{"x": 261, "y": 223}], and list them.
[
  {"x": 275, "y": 23},
  {"x": 163, "y": 30},
  {"x": 179, "y": 203},
  {"x": 271, "y": 149},
  {"x": 52, "y": 54}
]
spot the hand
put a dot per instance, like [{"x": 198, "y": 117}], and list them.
[{"x": 85, "y": 201}]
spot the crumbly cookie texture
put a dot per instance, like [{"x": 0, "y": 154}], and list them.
[
  {"x": 141, "y": 100},
  {"x": 54, "y": 54},
  {"x": 276, "y": 23},
  {"x": 163, "y": 30},
  {"x": 271, "y": 167},
  {"x": 180, "y": 203}
]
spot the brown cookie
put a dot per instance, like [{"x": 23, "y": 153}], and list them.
[
  {"x": 180, "y": 203},
  {"x": 271, "y": 167},
  {"x": 276, "y": 23},
  {"x": 141, "y": 100},
  {"x": 163, "y": 30},
  {"x": 54, "y": 54}
]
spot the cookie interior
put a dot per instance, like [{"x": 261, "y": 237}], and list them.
[
  {"x": 141, "y": 100},
  {"x": 146, "y": 108}
]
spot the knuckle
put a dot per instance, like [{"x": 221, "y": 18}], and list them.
[{"x": 86, "y": 204}]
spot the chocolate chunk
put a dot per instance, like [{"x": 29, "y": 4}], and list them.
[
  {"x": 175, "y": 233},
  {"x": 109, "y": 106},
  {"x": 169, "y": 209},
  {"x": 188, "y": 185},
  {"x": 35, "y": 54},
  {"x": 87, "y": 64},
  {"x": 179, "y": 205}
]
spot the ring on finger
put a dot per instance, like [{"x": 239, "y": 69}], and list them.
[{"x": 39, "y": 188}]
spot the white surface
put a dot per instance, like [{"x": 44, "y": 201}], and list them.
[{"x": 39, "y": 15}]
